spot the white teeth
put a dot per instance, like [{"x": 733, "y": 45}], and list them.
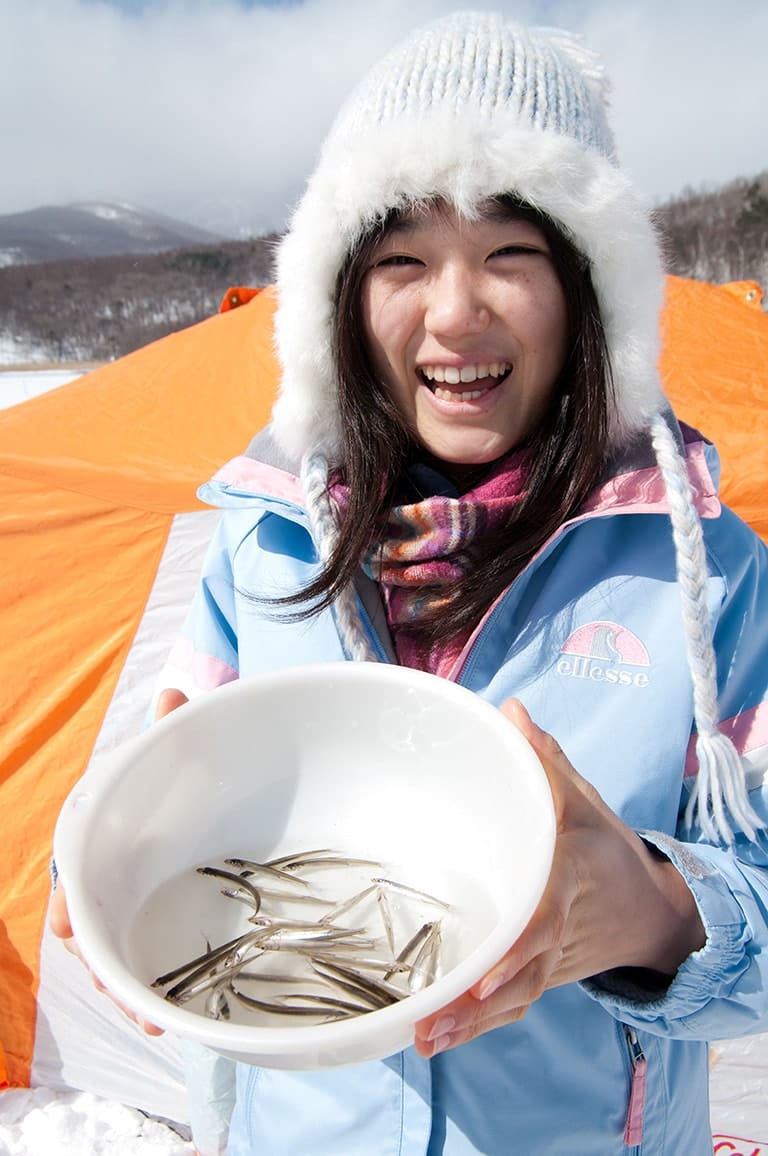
[
  {"x": 465, "y": 395},
  {"x": 468, "y": 373}
]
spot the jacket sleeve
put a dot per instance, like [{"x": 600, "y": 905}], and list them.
[
  {"x": 205, "y": 654},
  {"x": 720, "y": 991}
]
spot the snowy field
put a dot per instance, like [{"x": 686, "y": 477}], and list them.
[{"x": 17, "y": 385}]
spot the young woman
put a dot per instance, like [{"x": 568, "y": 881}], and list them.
[{"x": 472, "y": 470}]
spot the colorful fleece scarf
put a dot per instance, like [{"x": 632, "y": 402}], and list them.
[{"x": 422, "y": 547}]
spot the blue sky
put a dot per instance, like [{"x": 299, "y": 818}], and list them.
[{"x": 214, "y": 110}]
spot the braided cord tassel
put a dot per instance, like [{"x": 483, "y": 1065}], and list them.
[
  {"x": 325, "y": 531},
  {"x": 720, "y": 781}
]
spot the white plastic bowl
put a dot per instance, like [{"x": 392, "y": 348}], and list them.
[{"x": 372, "y": 760}]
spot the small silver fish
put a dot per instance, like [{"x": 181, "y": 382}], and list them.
[
  {"x": 413, "y": 945},
  {"x": 412, "y": 892},
  {"x": 326, "y": 952},
  {"x": 238, "y": 880},
  {"x": 425, "y": 963},
  {"x": 217, "y": 1004},
  {"x": 313, "y": 1006}
]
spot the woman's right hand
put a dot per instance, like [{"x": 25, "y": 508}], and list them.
[
  {"x": 58, "y": 919},
  {"x": 58, "y": 913}
]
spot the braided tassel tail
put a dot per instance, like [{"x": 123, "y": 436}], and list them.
[
  {"x": 721, "y": 781},
  {"x": 325, "y": 531},
  {"x": 720, "y": 788}
]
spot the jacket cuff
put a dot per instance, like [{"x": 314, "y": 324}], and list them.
[{"x": 641, "y": 997}]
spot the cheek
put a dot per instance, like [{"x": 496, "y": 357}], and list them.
[
  {"x": 386, "y": 334},
  {"x": 549, "y": 329}
]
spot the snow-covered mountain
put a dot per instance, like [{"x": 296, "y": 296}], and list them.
[{"x": 93, "y": 229}]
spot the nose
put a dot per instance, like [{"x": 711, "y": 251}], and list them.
[{"x": 456, "y": 305}]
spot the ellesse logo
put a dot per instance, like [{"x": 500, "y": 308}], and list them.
[{"x": 605, "y": 652}]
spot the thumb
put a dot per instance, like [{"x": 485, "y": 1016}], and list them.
[
  {"x": 545, "y": 746},
  {"x": 566, "y": 783},
  {"x": 168, "y": 700}
]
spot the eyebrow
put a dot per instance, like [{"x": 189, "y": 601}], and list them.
[
  {"x": 494, "y": 211},
  {"x": 404, "y": 224}
]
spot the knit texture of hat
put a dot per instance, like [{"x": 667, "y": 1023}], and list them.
[{"x": 470, "y": 108}]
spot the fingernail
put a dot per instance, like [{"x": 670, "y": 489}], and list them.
[
  {"x": 441, "y": 1044},
  {"x": 490, "y": 985},
  {"x": 442, "y": 1027}
]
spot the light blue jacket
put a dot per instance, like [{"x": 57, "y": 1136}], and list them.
[{"x": 590, "y": 638}]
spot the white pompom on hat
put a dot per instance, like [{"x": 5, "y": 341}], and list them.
[{"x": 468, "y": 108}]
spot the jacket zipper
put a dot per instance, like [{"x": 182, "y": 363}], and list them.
[
  {"x": 633, "y": 1128},
  {"x": 373, "y": 637},
  {"x": 462, "y": 673}
]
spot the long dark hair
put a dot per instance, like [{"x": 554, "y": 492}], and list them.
[{"x": 567, "y": 450}]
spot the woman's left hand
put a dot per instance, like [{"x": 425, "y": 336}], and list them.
[{"x": 609, "y": 902}]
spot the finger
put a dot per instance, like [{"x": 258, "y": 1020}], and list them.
[
  {"x": 467, "y": 1016},
  {"x": 500, "y": 988},
  {"x": 467, "y": 1019},
  {"x": 148, "y": 1028},
  {"x": 168, "y": 700},
  {"x": 58, "y": 914},
  {"x": 540, "y": 939},
  {"x": 62, "y": 928},
  {"x": 458, "y": 1011}
]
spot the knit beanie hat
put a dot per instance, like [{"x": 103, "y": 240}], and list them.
[{"x": 468, "y": 108}]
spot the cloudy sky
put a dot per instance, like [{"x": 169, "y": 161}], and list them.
[{"x": 213, "y": 110}]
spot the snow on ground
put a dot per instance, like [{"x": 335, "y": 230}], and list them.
[
  {"x": 17, "y": 385},
  {"x": 38, "y": 1122}
]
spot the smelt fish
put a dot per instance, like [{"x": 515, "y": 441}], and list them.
[
  {"x": 424, "y": 969},
  {"x": 316, "y": 1005},
  {"x": 251, "y": 868},
  {"x": 412, "y": 946},
  {"x": 217, "y": 1004},
  {"x": 379, "y": 994},
  {"x": 412, "y": 892},
  {"x": 238, "y": 880}
]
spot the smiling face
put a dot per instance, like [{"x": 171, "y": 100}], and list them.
[{"x": 466, "y": 323}]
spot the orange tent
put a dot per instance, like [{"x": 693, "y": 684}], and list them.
[
  {"x": 715, "y": 371},
  {"x": 102, "y": 537}
]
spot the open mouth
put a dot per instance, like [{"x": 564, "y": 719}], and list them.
[{"x": 449, "y": 383}]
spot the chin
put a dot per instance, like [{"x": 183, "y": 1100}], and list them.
[{"x": 469, "y": 456}]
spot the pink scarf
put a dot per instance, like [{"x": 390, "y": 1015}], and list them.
[{"x": 421, "y": 549}]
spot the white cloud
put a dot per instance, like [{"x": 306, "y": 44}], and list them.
[
  {"x": 205, "y": 110},
  {"x": 689, "y": 87}
]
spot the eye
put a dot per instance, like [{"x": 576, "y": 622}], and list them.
[
  {"x": 395, "y": 259},
  {"x": 518, "y": 251}
]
